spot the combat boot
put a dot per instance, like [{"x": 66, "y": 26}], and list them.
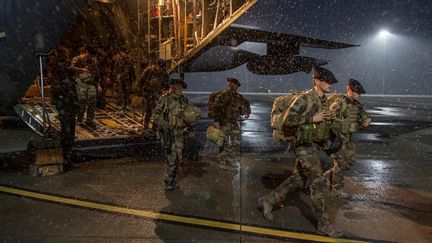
[
  {"x": 339, "y": 193},
  {"x": 91, "y": 124},
  {"x": 329, "y": 230},
  {"x": 266, "y": 208},
  {"x": 222, "y": 165},
  {"x": 171, "y": 185}
]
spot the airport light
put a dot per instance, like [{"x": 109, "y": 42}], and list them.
[{"x": 384, "y": 35}]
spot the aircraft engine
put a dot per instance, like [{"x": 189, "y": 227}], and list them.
[{"x": 220, "y": 58}]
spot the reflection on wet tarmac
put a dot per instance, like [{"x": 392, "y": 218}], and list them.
[{"x": 391, "y": 185}]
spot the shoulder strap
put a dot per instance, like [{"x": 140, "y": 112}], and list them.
[
  {"x": 344, "y": 103},
  {"x": 309, "y": 104}
]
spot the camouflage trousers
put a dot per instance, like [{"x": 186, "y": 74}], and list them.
[
  {"x": 67, "y": 133},
  {"x": 87, "y": 100},
  {"x": 307, "y": 172},
  {"x": 148, "y": 106},
  {"x": 343, "y": 160},
  {"x": 122, "y": 91},
  {"x": 229, "y": 152},
  {"x": 174, "y": 158}
]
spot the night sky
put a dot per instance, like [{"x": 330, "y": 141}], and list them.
[{"x": 402, "y": 62}]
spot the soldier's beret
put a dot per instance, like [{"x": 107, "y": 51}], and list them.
[
  {"x": 323, "y": 75},
  {"x": 178, "y": 81},
  {"x": 356, "y": 86},
  {"x": 233, "y": 80}
]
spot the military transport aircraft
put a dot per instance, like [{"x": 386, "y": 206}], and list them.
[{"x": 184, "y": 35}]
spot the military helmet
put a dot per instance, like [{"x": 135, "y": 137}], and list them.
[
  {"x": 175, "y": 78},
  {"x": 191, "y": 114},
  {"x": 323, "y": 75},
  {"x": 356, "y": 86},
  {"x": 178, "y": 81},
  {"x": 234, "y": 80}
]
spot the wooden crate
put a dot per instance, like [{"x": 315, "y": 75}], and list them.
[
  {"x": 48, "y": 156},
  {"x": 48, "y": 151}
]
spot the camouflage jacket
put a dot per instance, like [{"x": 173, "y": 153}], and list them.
[
  {"x": 295, "y": 115},
  {"x": 154, "y": 78},
  {"x": 230, "y": 105},
  {"x": 169, "y": 110},
  {"x": 123, "y": 68},
  {"x": 349, "y": 112},
  {"x": 57, "y": 64},
  {"x": 64, "y": 96}
]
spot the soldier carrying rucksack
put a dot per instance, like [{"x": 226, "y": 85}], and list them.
[
  {"x": 153, "y": 81},
  {"x": 352, "y": 116},
  {"x": 308, "y": 115},
  {"x": 225, "y": 107},
  {"x": 174, "y": 117}
]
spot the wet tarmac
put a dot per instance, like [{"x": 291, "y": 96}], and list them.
[{"x": 122, "y": 200}]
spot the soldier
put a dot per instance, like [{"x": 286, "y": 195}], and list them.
[
  {"x": 102, "y": 75},
  {"x": 229, "y": 106},
  {"x": 352, "y": 116},
  {"x": 153, "y": 81},
  {"x": 65, "y": 99},
  {"x": 307, "y": 112},
  {"x": 51, "y": 72},
  {"x": 85, "y": 65},
  {"x": 168, "y": 118},
  {"x": 124, "y": 77}
]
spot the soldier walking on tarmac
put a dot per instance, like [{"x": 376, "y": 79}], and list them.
[
  {"x": 308, "y": 112},
  {"x": 168, "y": 117},
  {"x": 352, "y": 116},
  {"x": 225, "y": 109}
]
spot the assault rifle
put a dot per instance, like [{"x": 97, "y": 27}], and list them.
[{"x": 166, "y": 133}]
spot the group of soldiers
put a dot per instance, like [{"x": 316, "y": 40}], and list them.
[
  {"x": 310, "y": 109},
  {"x": 80, "y": 84},
  {"x": 172, "y": 114},
  {"x": 164, "y": 102},
  {"x": 313, "y": 108}
]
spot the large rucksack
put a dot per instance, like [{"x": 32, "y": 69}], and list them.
[
  {"x": 280, "y": 108},
  {"x": 213, "y": 104},
  {"x": 337, "y": 96}
]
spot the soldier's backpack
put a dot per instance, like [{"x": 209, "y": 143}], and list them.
[
  {"x": 280, "y": 107},
  {"x": 213, "y": 105},
  {"x": 333, "y": 97},
  {"x": 154, "y": 83}
]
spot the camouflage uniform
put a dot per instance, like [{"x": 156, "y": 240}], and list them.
[
  {"x": 65, "y": 99},
  {"x": 102, "y": 73},
  {"x": 57, "y": 64},
  {"x": 351, "y": 114},
  {"x": 307, "y": 170},
  {"x": 86, "y": 87},
  {"x": 153, "y": 81},
  {"x": 124, "y": 76},
  {"x": 174, "y": 105},
  {"x": 230, "y": 105}
]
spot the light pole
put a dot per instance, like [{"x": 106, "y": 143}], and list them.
[{"x": 384, "y": 34}]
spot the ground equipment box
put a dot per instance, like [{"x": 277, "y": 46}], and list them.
[{"x": 46, "y": 157}]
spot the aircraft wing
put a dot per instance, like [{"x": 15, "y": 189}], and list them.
[
  {"x": 281, "y": 58},
  {"x": 237, "y": 34}
]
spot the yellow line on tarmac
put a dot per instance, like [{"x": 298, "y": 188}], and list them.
[{"x": 173, "y": 218}]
